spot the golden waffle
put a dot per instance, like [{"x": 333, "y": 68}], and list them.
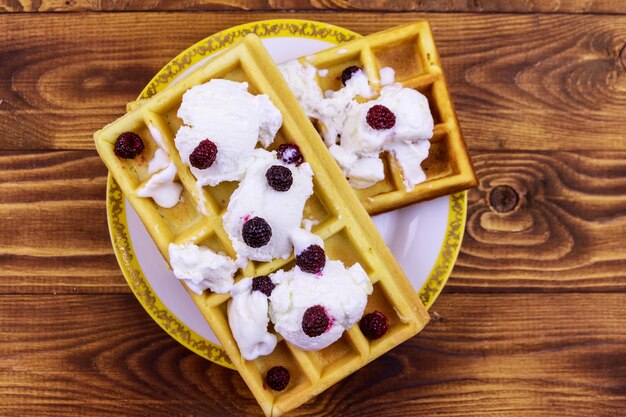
[
  {"x": 349, "y": 234},
  {"x": 411, "y": 52}
]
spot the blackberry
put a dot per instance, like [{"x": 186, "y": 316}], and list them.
[
  {"x": 380, "y": 117},
  {"x": 279, "y": 178},
  {"x": 256, "y": 232},
  {"x": 263, "y": 284},
  {"x": 277, "y": 378},
  {"x": 315, "y": 321},
  {"x": 348, "y": 73},
  {"x": 312, "y": 259},
  {"x": 290, "y": 154},
  {"x": 374, "y": 325},
  {"x": 204, "y": 155},
  {"x": 128, "y": 145}
]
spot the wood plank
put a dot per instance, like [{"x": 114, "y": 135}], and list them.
[
  {"x": 531, "y": 355},
  {"x": 543, "y": 6},
  {"x": 53, "y": 221},
  {"x": 566, "y": 233},
  {"x": 60, "y": 81}
]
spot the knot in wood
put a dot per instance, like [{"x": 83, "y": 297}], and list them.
[{"x": 503, "y": 198}]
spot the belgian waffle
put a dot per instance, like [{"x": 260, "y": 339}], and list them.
[{"x": 410, "y": 50}]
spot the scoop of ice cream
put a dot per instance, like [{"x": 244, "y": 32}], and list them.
[
  {"x": 248, "y": 319},
  {"x": 413, "y": 118},
  {"x": 340, "y": 292},
  {"x": 301, "y": 79},
  {"x": 365, "y": 172},
  {"x": 201, "y": 268},
  {"x": 337, "y": 105},
  {"x": 281, "y": 210},
  {"x": 362, "y": 172},
  {"x": 360, "y": 143},
  {"x": 330, "y": 109},
  {"x": 358, "y": 137},
  {"x": 410, "y": 156},
  {"x": 342, "y": 120},
  {"x": 413, "y": 121},
  {"x": 234, "y": 120}
]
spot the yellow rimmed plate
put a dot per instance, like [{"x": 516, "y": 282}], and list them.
[{"x": 425, "y": 238}]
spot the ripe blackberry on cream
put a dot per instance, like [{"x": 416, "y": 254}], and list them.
[
  {"x": 232, "y": 119},
  {"x": 357, "y": 131},
  {"x": 340, "y": 292},
  {"x": 256, "y": 199}
]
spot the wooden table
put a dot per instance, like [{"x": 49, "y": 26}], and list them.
[{"x": 532, "y": 322}]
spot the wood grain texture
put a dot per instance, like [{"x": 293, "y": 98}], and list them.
[
  {"x": 530, "y": 323},
  {"x": 538, "y": 355},
  {"x": 60, "y": 81},
  {"x": 53, "y": 221},
  {"x": 543, "y": 6},
  {"x": 566, "y": 232}
]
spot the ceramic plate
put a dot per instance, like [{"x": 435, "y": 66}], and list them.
[{"x": 425, "y": 238}]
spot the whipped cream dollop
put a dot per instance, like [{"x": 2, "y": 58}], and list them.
[
  {"x": 234, "y": 120},
  {"x": 201, "y": 268},
  {"x": 282, "y": 210},
  {"x": 387, "y": 76},
  {"x": 248, "y": 319},
  {"x": 161, "y": 186},
  {"x": 342, "y": 121},
  {"x": 341, "y": 291},
  {"x": 158, "y": 162},
  {"x": 302, "y": 82},
  {"x": 329, "y": 107}
]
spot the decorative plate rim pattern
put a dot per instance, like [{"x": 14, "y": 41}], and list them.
[{"x": 116, "y": 212}]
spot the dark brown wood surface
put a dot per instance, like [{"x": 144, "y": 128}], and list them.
[
  {"x": 534, "y": 6},
  {"x": 532, "y": 321},
  {"x": 520, "y": 81}
]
